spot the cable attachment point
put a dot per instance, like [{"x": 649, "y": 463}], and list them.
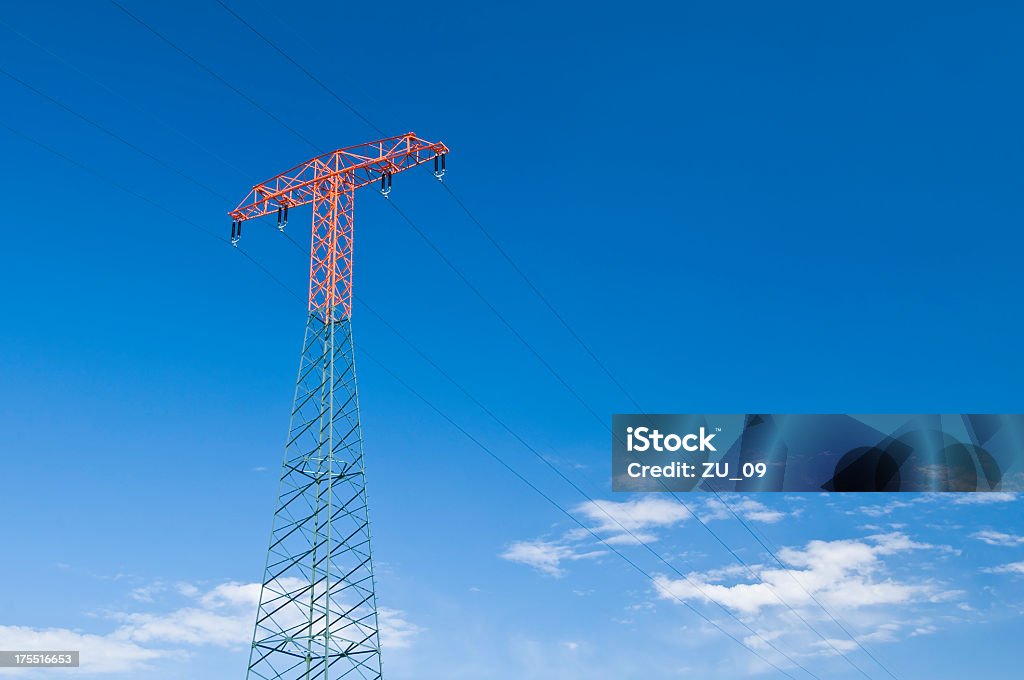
[
  {"x": 385, "y": 184},
  {"x": 439, "y": 167}
]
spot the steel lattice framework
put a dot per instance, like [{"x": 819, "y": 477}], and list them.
[{"x": 317, "y": 615}]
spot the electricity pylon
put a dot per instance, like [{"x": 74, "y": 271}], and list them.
[{"x": 317, "y": 615}]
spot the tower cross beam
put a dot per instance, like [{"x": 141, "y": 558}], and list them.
[
  {"x": 361, "y": 166},
  {"x": 329, "y": 182}
]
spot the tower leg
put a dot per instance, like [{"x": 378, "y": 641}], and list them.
[{"x": 317, "y": 616}]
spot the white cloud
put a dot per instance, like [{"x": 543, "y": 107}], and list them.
[
  {"x": 830, "y": 646},
  {"x": 844, "y": 574},
  {"x": 193, "y": 626},
  {"x": 633, "y": 538},
  {"x": 396, "y": 631},
  {"x": 897, "y": 542},
  {"x": 1011, "y": 568},
  {"x": 998, "y": 538},
  {"x": 877, "y": 511},
  {"x": 188, "y": 590},
  {"x": 984, "y": 498},
  {"x": 641, "y": 516},
  {"x": 545, "y": 556},
  {"x": 746, "y": 508},
  {"x": 233, "y": 594},
  {"x": 635, "y": 515}
]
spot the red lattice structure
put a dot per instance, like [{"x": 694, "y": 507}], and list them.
[{"x": 329, "y": 183}]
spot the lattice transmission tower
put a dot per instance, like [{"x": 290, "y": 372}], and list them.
[{"x": 317, "y": 616}]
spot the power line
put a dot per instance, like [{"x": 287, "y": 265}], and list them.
[
  {"x": 122, "y": 187},
  {"x": 512, "y": 329},
  {"x": 540, "y": 296},
  {"x": 217, "y": 76},
  {"x": 112, "y": 134},
  {"x": 571, "y": 516},
  {"x": 730, "y": 508},
  {"x": 625, "y": 392},
  {"x": 689, "y": 579},
  {"x": 114, "y": 183},
  {"x": 299, "y": 66},
  {"x": 579, "y": 398},
  {"x": 128, "y": 100}
]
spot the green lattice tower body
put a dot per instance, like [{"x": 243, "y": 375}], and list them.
[{"x": 318, "y": 614}]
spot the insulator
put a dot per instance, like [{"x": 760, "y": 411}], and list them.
[
  {"x": 442, "y": 161},
  {"x": 239, "y": 228},
  {"x": 279, "y": 216},
  {"x": 389, "y": 180},
  {"x": 436, "y": 160},
  {"x": 383, "y": 179},
  {"x": 234, "y": 226},
  {"x": 286, "y": 215}
]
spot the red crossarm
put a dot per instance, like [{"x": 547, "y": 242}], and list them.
[{"x": 329, "y": 182}]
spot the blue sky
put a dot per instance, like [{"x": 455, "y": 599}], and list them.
[{"x": 741, "y": 208}]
